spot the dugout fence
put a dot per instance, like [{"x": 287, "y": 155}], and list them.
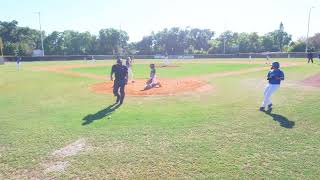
[{"x": 189, "y": 56}]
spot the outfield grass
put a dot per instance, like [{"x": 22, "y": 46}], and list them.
[{"x": 216, "y": 134}]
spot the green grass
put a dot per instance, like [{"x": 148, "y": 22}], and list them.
[
  {"x": 210, "y": 135},
  {"x": 182, "y": 69}
]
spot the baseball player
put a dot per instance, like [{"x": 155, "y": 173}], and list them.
[
  {"x": 319, "y": 57},
  {"x": 268, "y": 59},
  {"x": 152, "y": 81},
  {"x": 129, "y": 62},
  {"x": 121, "y": 77},
  {"x": 18, "y": 61},
  {"x": 275, "y": 76},
  {"x": 310, "y": 57}
]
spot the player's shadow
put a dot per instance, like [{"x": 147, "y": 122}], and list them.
[
  {"x": 100, "y": 114},
  {"x": 283, "y": 121}
]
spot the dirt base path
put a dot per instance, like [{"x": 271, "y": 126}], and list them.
[{"x": 312, "y": 81}]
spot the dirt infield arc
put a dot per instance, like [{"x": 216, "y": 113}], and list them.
[{"x": 169, "y": 87}]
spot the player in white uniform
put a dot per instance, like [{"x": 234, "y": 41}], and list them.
[
  {"x": 268, "y": 59},
  {"x": 129, "y": 62}
]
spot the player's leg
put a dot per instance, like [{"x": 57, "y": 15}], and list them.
[
  {"x": 130, "y": 74},
  {"x": 271, "y": 90},
  {"x": 19, "y": 66},
  {"x": 147, "y": 85},
  {"x": 116, "y": 86},
  {"x": 122, "y": 92},
  {"x": 265, "y": 98}
]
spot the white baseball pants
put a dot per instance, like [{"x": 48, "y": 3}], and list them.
[{"x": 270, "y": 89}]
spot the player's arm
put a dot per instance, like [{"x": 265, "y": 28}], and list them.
[
  {"x": 111, "y": 74},
  {"x": 281, "y": 76},
  {"x": 269, "y": 76}
]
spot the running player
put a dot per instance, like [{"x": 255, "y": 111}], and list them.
[
  {"x": 275, "y": 76},
  {"x": 121, "y": 77}
]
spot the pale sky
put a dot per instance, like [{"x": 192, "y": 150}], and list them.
[{"x": 141, "y": 17}]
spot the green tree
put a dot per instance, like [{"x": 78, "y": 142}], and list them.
[
  {"x": 315, "y": 42},
  {"x": 112, "y": 41},
  {"x": 145, "y": 46},
  {"x": 276, "y": 40},
  {"x": 18, "y": 40},
  {"x": 228, "y": 42},
  {"x": 297, "y": 46},
  {"x": 54, "y": 43}
]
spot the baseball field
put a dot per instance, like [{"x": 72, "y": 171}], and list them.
[{"x": 58, "y": 121}]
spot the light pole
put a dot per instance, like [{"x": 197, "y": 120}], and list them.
[
  {"x": 224, "y": 45},
  {"x": 40, "y": 33},
  {"x": 308, "y": 29}
]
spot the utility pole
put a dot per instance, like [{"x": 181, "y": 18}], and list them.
[
  {"x": 1, "y": 46},
  {"x": 307, "y": 40},
  {"x": 39, "y": 15}
]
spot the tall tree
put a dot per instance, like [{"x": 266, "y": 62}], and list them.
[
  {"x": 315, "y": 42},
  {"x": 112, "y": 41}
]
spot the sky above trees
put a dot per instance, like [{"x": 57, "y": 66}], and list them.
[{"x": 141, "y": 17}]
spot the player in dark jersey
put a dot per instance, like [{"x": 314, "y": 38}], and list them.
[
  {"x": 121, "y": 77},
  {"x": 18, "y": 61},
  {"x": 310, "y": 57}
]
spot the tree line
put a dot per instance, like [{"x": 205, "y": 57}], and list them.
[{"x": 16, "y": 40}]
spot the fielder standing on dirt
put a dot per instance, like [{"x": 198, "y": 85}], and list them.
[
  {"x": 121, "y": 78},
  {"x": 275, "y": 76},
  {"x": 129, "y": 62}
]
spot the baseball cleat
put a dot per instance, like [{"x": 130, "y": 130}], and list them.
[
  {"x": 118, "y": 100},
  {"x": 261, "y": 109},
  {"x": 270, "y": 106}
]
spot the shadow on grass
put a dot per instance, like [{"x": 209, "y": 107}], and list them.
[
  {"x": 100, "y": 114},
  {"x": 284, "y": 122}
]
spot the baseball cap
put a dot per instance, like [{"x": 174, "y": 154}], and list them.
[
  {"x": 119, "y": 60},
  {"x": 275, "y": 64}
]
